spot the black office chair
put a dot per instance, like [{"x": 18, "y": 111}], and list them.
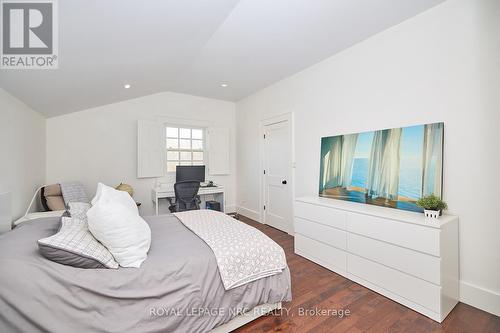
[{"x": 186, "y": 196}]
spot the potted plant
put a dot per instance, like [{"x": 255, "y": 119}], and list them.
[{"x": 432, "y": 205}]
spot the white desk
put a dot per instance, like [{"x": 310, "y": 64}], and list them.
[{"x": 167, "y": 191}]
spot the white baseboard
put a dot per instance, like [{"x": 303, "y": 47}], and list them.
[
  {"x": 478, "y": 297},
  {"x": 250, "y": 213}
]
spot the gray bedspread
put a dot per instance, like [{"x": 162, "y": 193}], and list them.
[{"x": 177, "y": 289}]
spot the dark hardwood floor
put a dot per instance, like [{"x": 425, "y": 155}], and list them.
[{"x": 316, "y": 287}]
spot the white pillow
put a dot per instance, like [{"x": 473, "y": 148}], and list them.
[
  {"x": 98, "y": 192},
  {"x": 114, "y": 221},
  {"x": 106, "y": 194}
]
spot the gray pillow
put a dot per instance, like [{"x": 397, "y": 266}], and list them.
[{"x": 75, "y": 246}]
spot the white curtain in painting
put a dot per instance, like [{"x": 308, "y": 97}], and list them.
[
  {"x": 348, "y": 150},
  {"x": 375, "y": 165},
  {"x": 326, "y": 170},
  {"x": 383, "y": 170},
  {"x": 432, "y": 159},
  {"x": 332, "y": 164}
]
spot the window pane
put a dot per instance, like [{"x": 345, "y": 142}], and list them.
[
  {"x": 185, "y": 155},
  {"x": 172, "y": 132},
  {"x": 172, "y": 143},
  {"x": 171, "y": 166},
  {"x": 197, "y": 144},
  {"x": 184, "y": 147},
  {"x": 197, "y": 134},
  {"x": 185, "y": 133},
  {"x": 198, "y": 156},
  {"x": 172, "y": 155},
  {"x": 185, "y": 143}
]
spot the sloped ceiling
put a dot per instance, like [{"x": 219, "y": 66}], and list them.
[{"x": 193, "y": 46}]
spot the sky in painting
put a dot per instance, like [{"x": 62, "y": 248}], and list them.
[
  {"x": 364, "y": 145},
  {"x": 412, "y": 142},
  {"x": 410, "y": 165}
]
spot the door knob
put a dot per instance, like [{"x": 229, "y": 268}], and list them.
[{"x": 283, "y": 182}]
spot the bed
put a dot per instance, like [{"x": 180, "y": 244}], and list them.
[{"x": 178, "y": 288}]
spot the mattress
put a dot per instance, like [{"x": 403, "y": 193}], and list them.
[{"x": 177, "y": 289}]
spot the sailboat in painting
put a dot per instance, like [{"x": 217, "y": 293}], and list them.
[{"x": 390, "y": 167}]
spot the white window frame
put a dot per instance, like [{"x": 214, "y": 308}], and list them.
[{"x": 191, "y": 127}]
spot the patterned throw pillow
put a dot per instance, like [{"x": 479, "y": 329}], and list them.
[
  {"x": 75, "y": 246},
  {"x": 79, "y": 210}
]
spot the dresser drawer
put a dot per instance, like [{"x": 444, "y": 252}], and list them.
[
  {"x": 415, "y": 263},
  {"x": 415, "y": 237},
  {"x": 320, "y": 232},
  {"x": 324, "y": 215},
  {"x": 411, "y": 288},
  {"x": 332, "y": 258}
]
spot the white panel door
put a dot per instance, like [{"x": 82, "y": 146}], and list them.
[{"x": 277, "y": 176}]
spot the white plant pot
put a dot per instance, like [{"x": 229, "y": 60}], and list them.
[{"x": 433, "y": 214}]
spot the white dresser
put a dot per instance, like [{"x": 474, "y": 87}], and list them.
[{"x": 399, "y": 254}]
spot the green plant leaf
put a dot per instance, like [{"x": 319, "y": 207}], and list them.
[{"x": 431, "y": 202}]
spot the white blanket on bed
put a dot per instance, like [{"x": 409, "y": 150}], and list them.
[{"x": 243, "y": 253}]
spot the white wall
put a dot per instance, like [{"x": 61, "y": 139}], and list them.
[
  {"x": 22, "y": 151},
  {"x": 100, "y": 144},
  {"x": 443, "y": 65}
]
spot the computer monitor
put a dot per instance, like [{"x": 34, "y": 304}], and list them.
[{"x": 190, "y": 172}]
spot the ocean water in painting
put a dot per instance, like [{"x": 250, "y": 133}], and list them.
[
  {"x": 409, "y": 183},
  {"x": 359, "y": 172}
]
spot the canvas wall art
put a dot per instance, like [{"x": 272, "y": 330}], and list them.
[{"x": 391, "y": 167}]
